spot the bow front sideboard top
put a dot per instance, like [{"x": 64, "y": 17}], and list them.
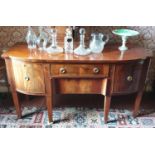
[{"x": 35, "y": 72}]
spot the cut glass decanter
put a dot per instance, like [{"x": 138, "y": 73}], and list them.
[
  {"x": 42, "y": 39},
  {"x": 31, "y": 38},
  {"x": 81, "y": 49},
  {"x": 68, "y": 41},
  {"x": 54, "y": 48}
]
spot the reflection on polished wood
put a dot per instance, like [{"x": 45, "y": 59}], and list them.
[
  {"x": 110, "y": 73},
  {"x": 110, "y": 54}
]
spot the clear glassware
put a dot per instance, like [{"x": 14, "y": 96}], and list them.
[
  {"x": 68, "y": 41},
  {"x": 81, "y": 49},
  {"x": 42, "y": 39},
  {"x": 97, "y": 42},
  {"x": 125, "y": 34},
  {"x": 31, "y": 38},
  {"x": 54, "y": 48}
]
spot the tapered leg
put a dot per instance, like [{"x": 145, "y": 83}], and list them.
[
  {"x": 49, "y": 108},
  {"x": 137, "y": 103},
  {"x": 17, "y": 104},
  {"x": 107, "y": 100},
  {"x": 49, "y": 92}
]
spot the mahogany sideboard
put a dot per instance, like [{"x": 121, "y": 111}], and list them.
[{"x": 110, "y": 73}]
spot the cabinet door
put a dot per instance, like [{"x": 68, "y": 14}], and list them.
[
  {"x": 127, "y": 77},
  {"x": 29, "y": 77}
]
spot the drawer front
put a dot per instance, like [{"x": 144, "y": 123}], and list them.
[
  {"x": 127, "y": 77},
  {"x": 80, "y": 86},
  {"x": 80, "y": 70},
  {"x": 28, "y": 77}
]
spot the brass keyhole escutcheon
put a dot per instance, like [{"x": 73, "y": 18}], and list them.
[
  {"x": 96, "y": 70},
  {"x": 129, "y": 78},
  {"x": 27, "y": 78},
  {"x": 62, "y": 70}
]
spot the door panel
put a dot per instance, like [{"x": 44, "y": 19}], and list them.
[
  {"x": 126, "y": 77},
  {"x": 28, "y": 77}
]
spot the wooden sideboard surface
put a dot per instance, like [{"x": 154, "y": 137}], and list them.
[{"x": 110, "y": 73}]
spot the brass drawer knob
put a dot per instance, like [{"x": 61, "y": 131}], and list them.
[
  {"x": 96, "y": 70},
  {"x": 27, "y": 78},
  {"x": 62, "y": 70},
  {"x": 129, "y": 78}
]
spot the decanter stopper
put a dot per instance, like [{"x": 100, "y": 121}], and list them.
[
  {"x": 68, "y": 41},
  {"x": 54, "y": 38},
  {"x": 82, "y": 32},
  {"x": 81, "y": 50},
  {"x": 31, "y": 38}
]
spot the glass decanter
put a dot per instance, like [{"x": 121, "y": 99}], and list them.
[
  {"x": 42, "y": 39},
  {"x": 81, "y": 49},
  {"x": 31, "y": 38},
  {"x": 97, "y": 42},
  {"x": 68, "y": 41},
  {"x": 54, "y": 48}
]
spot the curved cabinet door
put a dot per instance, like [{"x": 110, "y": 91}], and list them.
[
  {"x": 127, "y": 77},
  {"x": 29, "y": 77}
]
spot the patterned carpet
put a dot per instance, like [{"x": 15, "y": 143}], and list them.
[{"x": 75, "y": 118}]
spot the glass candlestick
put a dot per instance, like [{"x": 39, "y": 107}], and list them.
[
  {"x": 54, "y": 48},
  {"x": 81, "y": 49}
]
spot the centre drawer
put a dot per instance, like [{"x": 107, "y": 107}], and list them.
[{"x": 80, "y": 70}]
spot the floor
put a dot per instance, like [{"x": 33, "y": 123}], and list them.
[
  {"x": 74, "y": 111},
  {"x": 90, "y": 101}
]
